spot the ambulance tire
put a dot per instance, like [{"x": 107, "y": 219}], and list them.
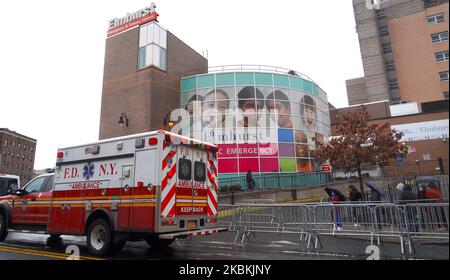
[
  {"x": 99, "y": 237},
  {"x": 3, "y": 229},
  {"x": 157, "y": 243}
]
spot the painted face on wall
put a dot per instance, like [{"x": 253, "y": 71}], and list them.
[
  {"x": 283, "y": 112},
  {"x": 209, "y": 111},
  {"x": 309, "y": 116}
]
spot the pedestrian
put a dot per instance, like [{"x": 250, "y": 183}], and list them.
[
  {"x": 410, "y": 214},
  {"x": 407, "y": 195},
  {"x": 374, "y": 196},
  {"x": 250, "y": 181},
  {"x": 355, "y": 196},
  {"x": 335, "y": 199},
  {"x": 434, "y": 195}
]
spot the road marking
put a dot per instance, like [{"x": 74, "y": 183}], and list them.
[{"x": 41, "y": 253}]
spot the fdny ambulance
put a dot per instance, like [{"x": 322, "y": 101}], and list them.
[{"x": 155, "y": 186}]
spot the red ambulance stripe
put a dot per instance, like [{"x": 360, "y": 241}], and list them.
[
  {"x": 172, "y": 171},
  {"x": 168, "y": 197},
  {"x": 164, "y": 183},
  {"x": 168, "y": 176},
  {"x": 212, "y": 180},
  {"x": 165, "y": 160},
  {"x": 211, "y": 163},
  {"x": 172, "y": 211},
  {"x": 212, "y": 198}
]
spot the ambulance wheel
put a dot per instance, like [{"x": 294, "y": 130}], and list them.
[
  {"x": 157, "y": 243},
  {"x": 99, "y": 237},
  {"x": 3, "y": 229}
]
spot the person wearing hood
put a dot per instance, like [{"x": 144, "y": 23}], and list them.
[
  {"x": 355, "y": 196},
  {"x": 407, "y": 194},
  {"x": 374, "y": 196},
  {"x": 410, "y": 218}
]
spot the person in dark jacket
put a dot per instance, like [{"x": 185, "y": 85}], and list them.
[
  {"x": 410, "y": 219},
  {"x": 374, "y": 196},
  {"x": 250, "y": 181},
  {"x": 407, "y": 195},
  {"x": 354, "y": 196}
]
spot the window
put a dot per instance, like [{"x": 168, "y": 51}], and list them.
[
  {"x": 393, "y": 84},
  {"x": 435, "y": 19},
  {"x": 439, "y": 37},
  {"x": 387, "y": 48},
  {"x": 443, "y": 76},
  {"x": 445, "y": 93},
  {"x": 184, "y": 169},
  {"x": 49, "y": 185},
  {"x": 441, "y": 56},
  {"x": 37, "y": 185},
  {"x": 390, "y": 66},
  {"x": 384, "y": 31},
  {"x": 152, "y": 46},
  {"x": 380, "y": 14},
  {"x": 199, "y": 171}
]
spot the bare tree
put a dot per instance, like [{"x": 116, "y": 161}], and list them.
[{"x": 359, "y": 143}]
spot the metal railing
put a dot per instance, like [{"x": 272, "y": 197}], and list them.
[
  {"x": 257, "y": 68},
  {"x": 367, "y": 220}
]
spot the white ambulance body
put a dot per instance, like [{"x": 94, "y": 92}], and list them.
[
  {"x": 6, "y": 181},
  {"x": 154, "y": 186}
]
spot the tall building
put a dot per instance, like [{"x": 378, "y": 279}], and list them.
[
  {"x": 144, "y": 63},
  {"x": 404, "y": 50},
  {"x": 17, "y": 153}
]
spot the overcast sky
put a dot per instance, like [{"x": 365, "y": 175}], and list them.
[{"x": 52, "y": 54}]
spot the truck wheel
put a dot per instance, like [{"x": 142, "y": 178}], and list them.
[
  {"x": 157, "y": 243},
  {"x": 3, "y": 229},
  {"x": 99, "y": 237}
]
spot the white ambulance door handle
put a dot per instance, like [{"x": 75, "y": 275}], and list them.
[{"x": 125, "y": 188}]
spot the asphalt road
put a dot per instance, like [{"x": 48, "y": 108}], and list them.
[{"x": 25, "y": 246}]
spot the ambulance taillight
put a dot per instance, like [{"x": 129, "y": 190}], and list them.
[
  {"x": 153, "y": 141},
  {"x": 60, "y": 155}
]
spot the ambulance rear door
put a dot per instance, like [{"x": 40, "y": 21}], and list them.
[{"x": 191, "y": 193}]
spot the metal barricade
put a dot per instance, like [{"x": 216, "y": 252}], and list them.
[
  {"x": 426, "y": 221},
  {"x": 228, "y": 216},
  {"x": 371, "y": 220},
  {"x": 362, "y": 220},
  {"x": 257, "y": 218}
]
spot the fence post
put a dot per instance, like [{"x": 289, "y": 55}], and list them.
[{"x": 441, "y": 166}]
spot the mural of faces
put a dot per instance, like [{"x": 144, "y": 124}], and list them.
[
  {"x": 308, "y": 112},
  {"x": 279, "y": 101},
  {"x": 250, "y": 100}
]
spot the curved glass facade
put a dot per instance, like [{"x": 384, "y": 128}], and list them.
[{"x": 266, "y": 122}]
